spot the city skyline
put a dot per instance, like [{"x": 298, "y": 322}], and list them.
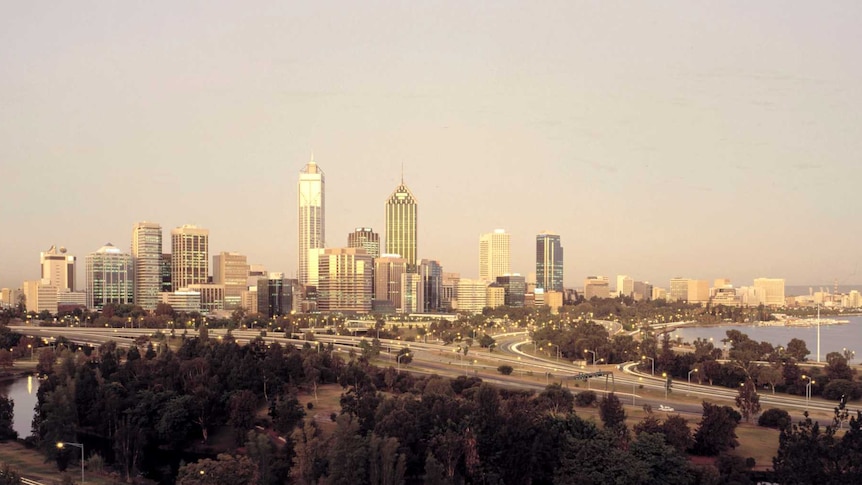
[{"x": 656, "y": 140}]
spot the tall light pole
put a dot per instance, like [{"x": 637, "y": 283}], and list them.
[
  {"x": 689, "y": 378},
  {"x": 640, "y": 379},
  {"x": 398, "y": 361},
  {"x": 651, "y": 360},
  {"x": 558, "y": 349},
  {"x": 62, "y": 444},
  {"x": 594, "y": 355},
  {"x": 664, "y": 374},
  {"x": 808, "y": 391}
]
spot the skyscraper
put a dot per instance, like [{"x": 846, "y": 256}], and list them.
[
  {"x": 365, "y": 238},
  {"x": 312, "y": 221},
  {"x": 58, "y": 268},
  {"x": 344, "y": 283},
  {"x": 494, "y": 258},
  {"x": 110, "y": 277},
  {"x": 402, "y": 213},
  {"x": 389, "y": 270},
  {"x": 231, "y": 270},
  {"x": 189, "y": 256},
  {"x": 432, "y": 280},
  {"x": 147, "y": 253},
  {"x": 549, "y": 262}
]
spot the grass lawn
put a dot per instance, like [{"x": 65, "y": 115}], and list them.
[{"x": 31, "y": 464}]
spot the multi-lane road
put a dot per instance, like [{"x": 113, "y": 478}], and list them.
[{"x": 531, "y": 370}]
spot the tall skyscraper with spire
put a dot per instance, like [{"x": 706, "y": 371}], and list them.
[
  {"x": 312, "y": 210},
  {"x": 549, "y": 262},
  {"x": 402, "y": 214}
]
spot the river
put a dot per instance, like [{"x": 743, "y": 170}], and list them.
[
  {"x": 22, "y": 390},
  {"x": 833, "y": 338}
]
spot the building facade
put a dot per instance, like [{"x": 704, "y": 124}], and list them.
[
  {"x": 345, "y": 278},
  {"x": 165, "y": 273},
  {"x": 147, "y": 254},
  {"x": 678, "y": 289},
  {"x": 432, "y": 279},
  {"x": 596, "y": 286},
  {"x": 389, "y": 270},
  {"x": 515, "y": 287},
  {"x": 231, "y": 270},
  {"x": 412, "y": 294},
  {"x": 58, "y": 268},
  {"x": 365, "y": 238},
  {"x": 312, "y": 215},
  {"x": 472, "y": 295},
  {"x": 276, "y": 295},
  {"x": 189, "y": 256},
  {"x": 40, "y": 296},
  {"x": 773, "y": 290},
  {"x": 494, "y": 256},
  {"x": 110, "y": 278},
  {"x": 402, "y": 222},
  {"x": 549, "y": 262}
]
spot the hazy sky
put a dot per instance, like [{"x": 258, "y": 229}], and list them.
[{"x": 660, "y": 138}]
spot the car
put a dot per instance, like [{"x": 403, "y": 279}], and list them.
[{"x": 667, "y": 409}]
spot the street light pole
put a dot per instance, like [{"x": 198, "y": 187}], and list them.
[
  {"x": 594, "y": 355},
  {"x": 61, "y": 444},
  {"x": 689, "y": 379},
  {"x": 808, "y": 391},
  {"x": 398, "y": 361},
  {"x": 558, "y": 349},
  {"x": 664, "y": 374},
  {"x": 652, "y": 361}
]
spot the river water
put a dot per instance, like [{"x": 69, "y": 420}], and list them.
[
  {"x": 833, "y": 338},
  {"x": 23, "y": 391}
]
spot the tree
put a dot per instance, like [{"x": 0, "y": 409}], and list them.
[
  {"x": 664, "y": 464},
  {"x": 224, "y": 469},
  {"x": 771, "y": 375},
  {"x": 7, "y": 418},
  {"x": 6, "y": 360},
  {"x": 774, "y": 418},
  {"x": 243, "y": 406},
  {"x": 505, "y": 369},
  {"x": 677, "y": 433},
  {"x": 717, "y": 430},
  {"x": 611, "y": 411},
  {"x": 555, "y": 399},
  {"x": 348, "y": 454},
  {"x": 747, "y": 400},
  {"x": 9, "y": 476},
  {"x": 797, "y": 349},
  {"x": 585, "y": 398}
]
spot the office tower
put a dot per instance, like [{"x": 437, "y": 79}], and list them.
[
  {"x": 493, "y": 255},
  {"x": 312, "y": 215},
  {"x": 165, "y": 273},
  {"x": 514, "y": 287},
  {"x": 190, "y": 253},
  {"x": 147, "y": 254},
  {"x": 698, "y": 291},
  {"x": 389, "y": 270},
  {"x": 495, "y": 295},
  {"x": 642, "y": 290},
  {"x": 6, "y": 297},
  {"x": 625, "y": 285},
  {"x": 58, "y": 268},
  {"x": 110, "y": 277},
  {"x": 412, "y": 294},
  {"x": 40, "y": 296},
  {"x": 596, "y": 286},
  {"x": 659, "y": 293},
  {"x": 276, "y": 295},
  {"x": 554, "y": 301},
  {"x": 257, "y": 271},
  {"x": 184, "y": 301},
  {"x": 773, "y": 290},
  {"x": 432, "y": 280},
  {"x": 678, "y": 289},
  {"x": 231, "y": 270},
  {"x": 472, "y": 295},
  {"x": 344, "y": 284},
  {"x": 365, "y": 238},
  {"x": 549, "y": 262},
  {"x": 402, "y": 213},
  {"x": 449, "y": 291}
]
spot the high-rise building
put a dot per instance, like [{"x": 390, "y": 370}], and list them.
[
  {"x": 449, "y": 291},
  {"x": 312, "y": 215},
  {"x": 596, "y": 286},
  {"x": 432, "y": 279},
  {"x": 402, "y": 213},
  {"x": 110, "y": 277},
  {"x": 190, "y": 252},
  {"x": 344, "y": 283},
  {"x": 412, "y": 294},
  {"x": 231, "y": 270},
  {"x": 678, "y": 289},
  {"x": 698, "y": 291},
  {"x": 625, "y": 285},
  {"x": 276, "y": 295},
  {"x": 495, "y": 295},
  {"x": 514, "y": 287},
  {"x": 40, "y": 296},
  {"x": 365, "y": 238},
  {"x": 389, "y": 270},
  {"x": 58, "y": 269},
  {"x": 212, "y": 296},
  {"x": 165, "y": 274},
  {"x": 472, "y": 295},
  {"x": 494, "y": 259},
  {"x": 642, "y": 290},
  {"x": 147, "y": 254},
  {"x": 773, "y": 290},
  {"x": 549, "y": 262}
]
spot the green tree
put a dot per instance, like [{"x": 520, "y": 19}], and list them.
[
  {"x": 555, "y": 399},
  {"x": 797, "y": 349},
  {"x": 225, "y": 469},
  {"x": 664, "y": 464},
  {"x": 9, "y": 476},
  {"x": 7, "y": 418},
  {"x": 717, "y": 430},
  {"x": 611, "y": 411},
  {"x": 748, "y": 401}
]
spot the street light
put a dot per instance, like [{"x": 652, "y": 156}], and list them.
[
  {"x": 808, "y": 391},
  {"x": 594, "y": 355},
  {"x": 62, "y": 444},
  {"x": 640, "y": 379},
  {"x": 651, "y": 360},
  {"x": 398, "y": 361},
  {"x": 664, "y": 374},
  {"x": 689, "y": 378},
  {"x": 558, "y": 349}
]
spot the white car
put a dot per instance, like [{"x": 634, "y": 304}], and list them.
[{"x": 667, "y": 409}]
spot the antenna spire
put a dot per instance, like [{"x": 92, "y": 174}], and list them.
[{"x": 402, "y": 173}]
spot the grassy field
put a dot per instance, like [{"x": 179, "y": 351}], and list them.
[{"x": 31, "y": 464}]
